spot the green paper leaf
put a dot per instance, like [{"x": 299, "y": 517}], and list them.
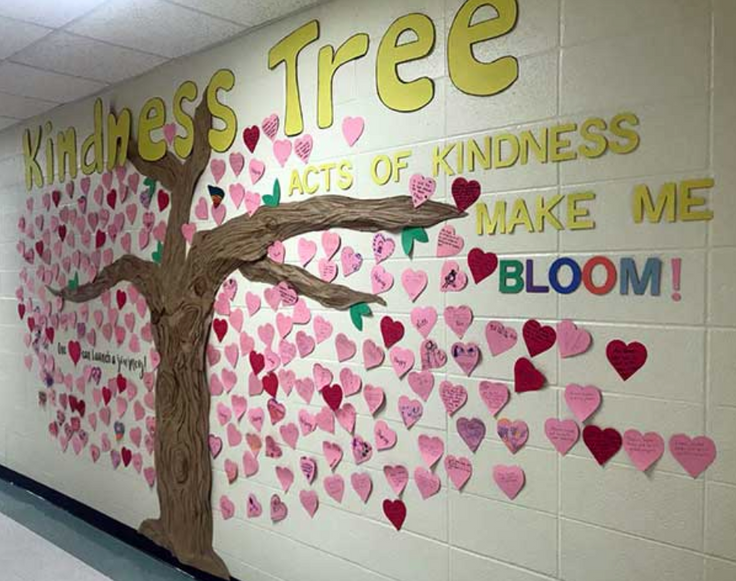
[
  {"x": 150, "y": 183},
  {"x": 409, "y": 235},
  {"x": 74, "y": 283},
  {"x": 158, "y": 254},
  {"x": 273, "y": 199},
  {"x": 357, "y": 312}
]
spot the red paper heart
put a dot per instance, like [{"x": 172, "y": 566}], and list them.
[
  {"x": 332, "y": 394},
  {"x": 257, "y": 361},
  {"x": 392, "y": 331},
  {"x": 220, "y": 328},
  {"x": 626, "y": 359},
  {"x": 127, "y": 456},
  {"x": 465, "y": 193},
  {"x": 106, "y": 395},
  {"x": 538, "y": 338},
  {"x": 75, "y": 351},
  {"x": 527, "y": 377},
  {"x": 163, "y": 200},
  {"x": 251, "y": 136},
  {"x": 481, "y": 264},
  {"x": 270, "y": 383},
  {"x": 603, "y": 444},
  {"x": 395, "y": 511}
]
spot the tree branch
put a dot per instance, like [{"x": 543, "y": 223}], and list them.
[
  {"x": 165, "y": 171},
  {"x": 142, "y": 273},
  {"x": 201, "y": 150},
  {"x": 182, "y": 194},
  {"x": 334, "y": 296},
  {"x": 248, "y": 238}
]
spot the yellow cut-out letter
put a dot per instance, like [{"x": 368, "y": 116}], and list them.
[
  {"x": 329, "y": 61},
  {"x": 287, "y": 51},
  {"x": 34, "y": 175},
  {"x": 151, "y": 117},
  {"x": 466, "y": 72},
  {"x": 221, "y": 139},
  {"x": 396, "y": 94},
  {"x": 118, "y": 136},
  {"x": 187, "y": 91}
]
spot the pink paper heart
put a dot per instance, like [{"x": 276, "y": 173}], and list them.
[
  {"x": 563, "y": 434},
  {"x": 643, "y": 449},
  {"x": 510, "y": 479}
]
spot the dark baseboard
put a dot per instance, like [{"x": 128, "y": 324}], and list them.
[{"x": 101, "y": 521}]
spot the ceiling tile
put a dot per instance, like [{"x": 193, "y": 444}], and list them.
[
  {"x": 15, "y": 35},
  {"x": 6, "y": 122},
  {"x": 22, "y": 107},
  {"x": 250, "y": 12},
  {"x": 29, "y": 82},
  {"x": 53, "y": 13},
  {"x": 154, "y": 26},
  {"x": 86, "y": 57}
]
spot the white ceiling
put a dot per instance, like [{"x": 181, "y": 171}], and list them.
[{"x": 57, "y": 51}]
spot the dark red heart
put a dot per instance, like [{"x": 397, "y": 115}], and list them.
[
  {"x": 251, "y": 136},
  {"x": 50, "y": 334},
  {"x": 75, "y": 351},
  {"x": 332, "y": 394},
  {"x": 127, "y": 456},
  {"x": 527, "y": 377},
  {"x": 465, "y": 193},
  {"x": 163, "y": 200},
  {"x": 257, "y": 362},
  {"x": 626, "y": 359},
  {"x": 121, "y": 298},
  {"x": 220, "y": 327},
  {"x": 392, "y": 331},
  {"x": 112, "y": 198},
  {"x": 603, "y": 444},
  {"x": 39, "y": 247},
  {"x": 62, "y": 232},
  {"x": 538, "y": 338},
  {"x": 100, "y": 239},
  {"x": 121, "y": 382},
  {"x": 56, "y": 197},
  {"x": 22, "y": 311},
  {"x": 270, "y": 384},
  {"x": 481, "y": 264},
  {"x": 106, "y": 395},
  {"x": 395, "y": 511}
]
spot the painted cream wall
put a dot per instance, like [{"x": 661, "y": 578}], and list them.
[{"x": 673, "y": 62}]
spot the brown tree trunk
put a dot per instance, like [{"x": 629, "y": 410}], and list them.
[{"x": 183, "y": 473}]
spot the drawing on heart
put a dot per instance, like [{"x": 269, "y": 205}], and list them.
[
  {"x": 466, "y": 355},
  {"x": 510, "y": 479},
  {"x": 512, "y": 433}
]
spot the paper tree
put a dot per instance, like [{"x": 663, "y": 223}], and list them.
[{"x": 180, "y": 288}]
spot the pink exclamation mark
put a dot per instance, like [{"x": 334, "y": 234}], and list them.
[{"x": 676, "y": 274}]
